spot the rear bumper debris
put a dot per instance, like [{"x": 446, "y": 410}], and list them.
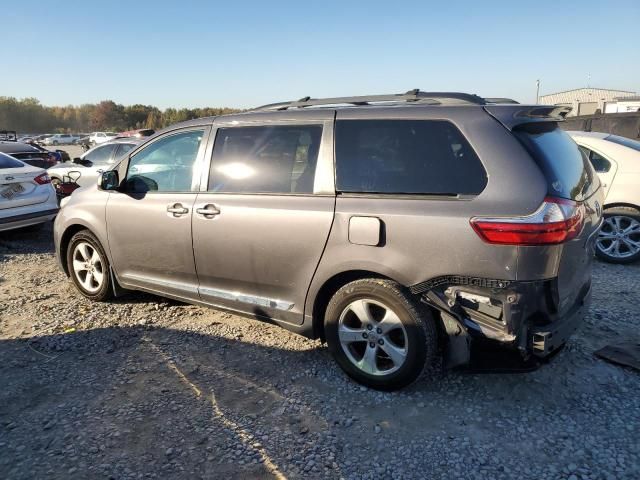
[{"x": 517, "y": 315}]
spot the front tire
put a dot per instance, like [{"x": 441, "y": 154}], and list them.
[
  {"x": 379, "y": 334},
  {"x": 89, "y": 267},
  {"x": 619, "y": 237}
]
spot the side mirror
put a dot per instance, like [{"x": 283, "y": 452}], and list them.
[
  {"x": 77, "y": 161},
  {"x": 109, "y": 180}
]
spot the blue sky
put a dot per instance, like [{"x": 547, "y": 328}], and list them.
[{"x": 244, "y": 53}]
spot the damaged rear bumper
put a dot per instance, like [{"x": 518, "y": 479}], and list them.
[{"x": 517, "y": 315}]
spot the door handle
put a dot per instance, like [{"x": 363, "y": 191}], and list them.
[
  {"x": 208, "y": 211},
  {"x": 177, "y": 209}
]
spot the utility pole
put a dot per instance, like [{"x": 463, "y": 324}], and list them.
[{"x": 537, "y": 91}]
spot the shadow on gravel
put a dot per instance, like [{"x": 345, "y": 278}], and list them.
[
  {"x": 31, "y": 240},
  {"x": 118, "y": 402}
]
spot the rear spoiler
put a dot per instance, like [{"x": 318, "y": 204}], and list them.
[{"x": 513, "y": 115}]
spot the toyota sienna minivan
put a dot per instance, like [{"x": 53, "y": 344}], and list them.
[{"x": 393, "y": 227}]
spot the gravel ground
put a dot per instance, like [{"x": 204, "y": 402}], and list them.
[{"x": 148, "y": 388}]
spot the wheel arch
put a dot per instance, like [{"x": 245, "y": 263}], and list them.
[
  {"x": 621, "y": 204},
  {"x": 65, "y": 239},
  {"x": 329, "y": 288}
]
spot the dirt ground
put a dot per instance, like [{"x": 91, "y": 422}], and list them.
[{"x": 148, "y": 388}]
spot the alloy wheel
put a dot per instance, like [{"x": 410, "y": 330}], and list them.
[
  {"x": 88, "y": 267},
  {"x": 619, "y": 237},
  {"x": 373, "y": 337}
]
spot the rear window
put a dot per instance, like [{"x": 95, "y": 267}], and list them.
[
  {"x": 8, "y": 162},
  {"x": 567, "y": 170},
  {"x": 627, "y": 142},
  {"x": 424, "y": 157}
]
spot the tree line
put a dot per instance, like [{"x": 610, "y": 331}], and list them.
[{"x": 28, "y": 115}]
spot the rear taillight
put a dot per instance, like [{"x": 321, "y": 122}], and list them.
[
  {"x": 556, "y": 221},
  {"x": 42, "y": 179}
]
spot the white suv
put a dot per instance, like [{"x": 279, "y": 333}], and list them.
[
  {"x": 96, "y": 138},
  {"x": 617, "y": 161}
]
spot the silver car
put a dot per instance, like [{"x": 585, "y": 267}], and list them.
[
  {"x": 86, "y": 169},
  {"x": 392, "y": 227}
]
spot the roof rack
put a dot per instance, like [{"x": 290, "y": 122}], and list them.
[{"x": 412, "y": 96}]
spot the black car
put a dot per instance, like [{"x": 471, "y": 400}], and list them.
[{"x": 29, "y": 154}]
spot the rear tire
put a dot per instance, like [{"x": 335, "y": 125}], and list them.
[
  {"x": 89, "y": 267},
  {"x": 379, "y": 334},
  {"x": 619, "y": 237}
]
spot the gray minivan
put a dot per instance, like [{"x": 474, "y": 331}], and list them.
[{"x": 392, "y": 227}]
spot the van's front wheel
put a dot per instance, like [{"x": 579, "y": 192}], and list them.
[
  {"x": 89, "y": 266},
  {"x": 379, "y": 334}
]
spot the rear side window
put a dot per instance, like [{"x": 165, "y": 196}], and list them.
[
  {"x": 568, "y": 172},
  {"x": 266, "y": 159},
  {"x": 427, "y": 157},
  {"x": 600, "y": 164},
  {"x": 8, "y": 162}
]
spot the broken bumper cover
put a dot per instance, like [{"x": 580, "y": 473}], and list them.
[
  {"x": 548, "y": 338},
  {"x": 520, "y": 315}
]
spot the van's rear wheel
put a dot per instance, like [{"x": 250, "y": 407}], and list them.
[
  {"x": 379, "y": 334},
  {"x": 619, "y": 237},
  {"x": 89, "y": 266}
]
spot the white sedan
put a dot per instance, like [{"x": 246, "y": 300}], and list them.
[
  {"x": 26, "y": 195},
  {"x": 617, "y": 161}
]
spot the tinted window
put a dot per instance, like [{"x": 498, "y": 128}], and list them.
[
  {"x": 274, "y": 159},
  {"x": 406, "y": 156},
  {"x": 100, "y": 154},
  {"x": 627, "y": 142},
  {"x": 166, "y": 165},
  {"x": 600, "y": 164},
  {"x": 8, "y": 162},
  {"x": 568, "y": 172}
]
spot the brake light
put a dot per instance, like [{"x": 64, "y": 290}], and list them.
[
  {"x": 556, "y": 221},
  {"x": 42, "y": 179}
]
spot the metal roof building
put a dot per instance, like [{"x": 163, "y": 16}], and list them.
[{"x": 585, "y": 101}]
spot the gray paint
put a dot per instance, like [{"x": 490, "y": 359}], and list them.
[{"x": 265, "y": 252}]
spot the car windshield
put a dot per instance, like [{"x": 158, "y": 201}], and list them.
[
  {"x": 627, "y": 142},
  {"x": 7, "y": 161}
]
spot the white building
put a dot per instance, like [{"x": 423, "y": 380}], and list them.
[
  {"x": 624, "y": 104},
  {"x": 587, "y": 101}
]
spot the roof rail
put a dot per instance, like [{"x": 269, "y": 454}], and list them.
[{"x": 412, "y": 96}]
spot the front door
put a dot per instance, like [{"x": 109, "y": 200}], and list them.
[
  {"x": 260, "y": 228},
  {"x": 149, "y": 220}
]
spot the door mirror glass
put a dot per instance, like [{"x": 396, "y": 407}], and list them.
[{"x": 109, "y": 180}]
